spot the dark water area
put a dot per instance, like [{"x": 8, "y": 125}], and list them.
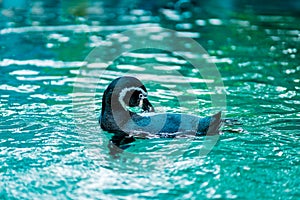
[{"x": 51, "y": 146}]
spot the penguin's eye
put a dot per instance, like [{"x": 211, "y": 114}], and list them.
[{"x": 141, "y": 96}]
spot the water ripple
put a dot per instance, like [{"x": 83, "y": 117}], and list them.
[
  {"x": 81, "y": 28},
  {"x": 39, "y": 63}
]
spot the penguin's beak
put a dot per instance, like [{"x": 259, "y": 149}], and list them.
[{"x": 146, "y": 106}]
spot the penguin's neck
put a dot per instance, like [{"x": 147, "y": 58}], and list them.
[{"x": 115, "y": 115}]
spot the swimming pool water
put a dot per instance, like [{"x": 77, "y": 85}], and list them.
[{"x": 45, "y": 154}]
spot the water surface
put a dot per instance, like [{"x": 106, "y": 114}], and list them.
[{"x": 45, "y": 155}]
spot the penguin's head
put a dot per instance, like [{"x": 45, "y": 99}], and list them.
[{"x": 126, "y": 94}]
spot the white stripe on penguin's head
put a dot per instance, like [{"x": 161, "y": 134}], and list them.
[{"x": 125, "y": 91}]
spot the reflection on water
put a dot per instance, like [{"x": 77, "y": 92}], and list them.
[{"x": 255, "y": 48}]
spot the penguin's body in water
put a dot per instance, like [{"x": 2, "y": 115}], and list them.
[{"x": 128, "y": 114}]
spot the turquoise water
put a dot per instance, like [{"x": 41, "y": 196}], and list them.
[{"x": 51, "y": 147}]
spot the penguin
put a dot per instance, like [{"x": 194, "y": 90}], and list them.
[{"x": 128, "y": 114}]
